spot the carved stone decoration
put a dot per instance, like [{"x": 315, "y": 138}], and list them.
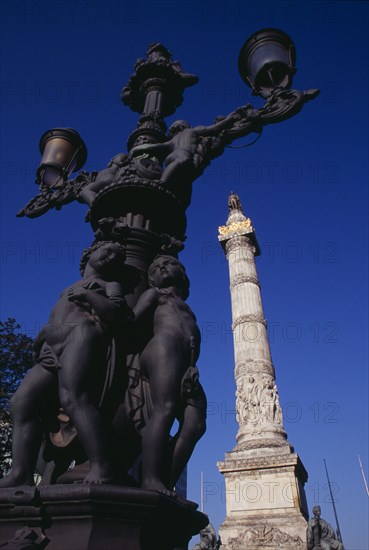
[
  {"x": 236, "y": 245},
  {"x": 252, "y": 366},
  {"x": 250, "y": 318},
  {"x": 265, "y": 536},
  {"x": 257, "y": 402},
  {"x": 234, "y": 227},
  {"x": 239, "y": 279},
  {"x": 269, "y": 403}
]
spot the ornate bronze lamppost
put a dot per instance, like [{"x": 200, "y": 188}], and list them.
[
  {"x": 132, "y": 301},
  {"x": 149, "y": 188}
]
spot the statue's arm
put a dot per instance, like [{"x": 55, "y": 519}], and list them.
[
  {"x": 241, "y": 115},
  {"x": 38, "y": 343},
  {"x": 108, "y": 308},
  {"x": 150, "y": 148},
  {"x": 146, "y": 304},
  {"x": 213, "y": 129}
]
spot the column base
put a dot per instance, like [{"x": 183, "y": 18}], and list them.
[
  {"x": 265, "y": 501},
  {"x": 92, "y": 517}
]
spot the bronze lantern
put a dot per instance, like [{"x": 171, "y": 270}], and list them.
[
  {"x": 267, "y": 62},
  {"x": 63, "y": 152}
]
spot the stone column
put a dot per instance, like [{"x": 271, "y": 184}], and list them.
[{"x": 264, "y": 478}]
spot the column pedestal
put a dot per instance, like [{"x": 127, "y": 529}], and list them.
[{"x": 265, "y": 500}]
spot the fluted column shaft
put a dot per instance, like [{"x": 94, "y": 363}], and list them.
[
  {"x": 248, "y": 323},
  {"x": 258, "y": 409}
]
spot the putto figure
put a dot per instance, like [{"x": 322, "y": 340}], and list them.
[
  {"x": 169, "y": 362},
  {"x": 70, "y": 362},
  {"x": 320, "y": 534},
  {"x": 189, "y": 149}
]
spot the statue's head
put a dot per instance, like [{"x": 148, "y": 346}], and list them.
[
  {"x": 168, "y": 271},
  {"x": 317, "y": 511},
  {"x": 177, "y": 127},
  {"x": 103, "y": 256},
  {"x": 268, "y": 382}
]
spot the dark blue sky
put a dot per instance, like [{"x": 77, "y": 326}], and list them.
[{"x": 304, "y": 185}]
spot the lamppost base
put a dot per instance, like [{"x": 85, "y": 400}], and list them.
[{"x": 92, "y": 517}]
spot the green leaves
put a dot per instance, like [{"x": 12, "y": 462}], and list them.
[{"x": 15, "y": 360}]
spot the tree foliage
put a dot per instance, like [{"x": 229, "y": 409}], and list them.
[{"x": 15, "y": 360}]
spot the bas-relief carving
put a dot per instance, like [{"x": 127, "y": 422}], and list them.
[
  {"x": 264, "y": 536},
  {"x": 257, "y": 402},
  {"x": 254, "y": 366}
]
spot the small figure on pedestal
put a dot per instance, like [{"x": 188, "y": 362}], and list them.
[
  {"x": 234, "y": 202},
  {"x": 320, "y": 534},
  {"x": 208, "y": 539}
]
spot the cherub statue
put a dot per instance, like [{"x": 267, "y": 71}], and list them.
[
  {"x": 168, "y": 361},
  {"x": 100, "y": 180},
  {"x": 189, "y": 150},
  {"x": 70, "y": 367}
]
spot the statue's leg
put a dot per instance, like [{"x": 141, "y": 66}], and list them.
[
  {"x": 126, "y": 441},
  {"x": 90, "y": 191},
  {"x": 87, "y": 196},
  {"x": 191, "y": 430},
  {"x": 163, "y": 365},
  {"x": 81, "y": 368},
  {"x": 175, "y": 165},
  {"x": 35, "y": 398}
]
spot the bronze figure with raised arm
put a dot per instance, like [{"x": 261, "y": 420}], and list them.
[{"x": 189, "y": 150}]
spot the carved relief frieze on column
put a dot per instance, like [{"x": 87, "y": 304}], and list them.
[{"x": 257, "y": 402}]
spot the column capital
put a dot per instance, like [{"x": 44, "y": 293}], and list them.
[{"x": 237, "y": 225}]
